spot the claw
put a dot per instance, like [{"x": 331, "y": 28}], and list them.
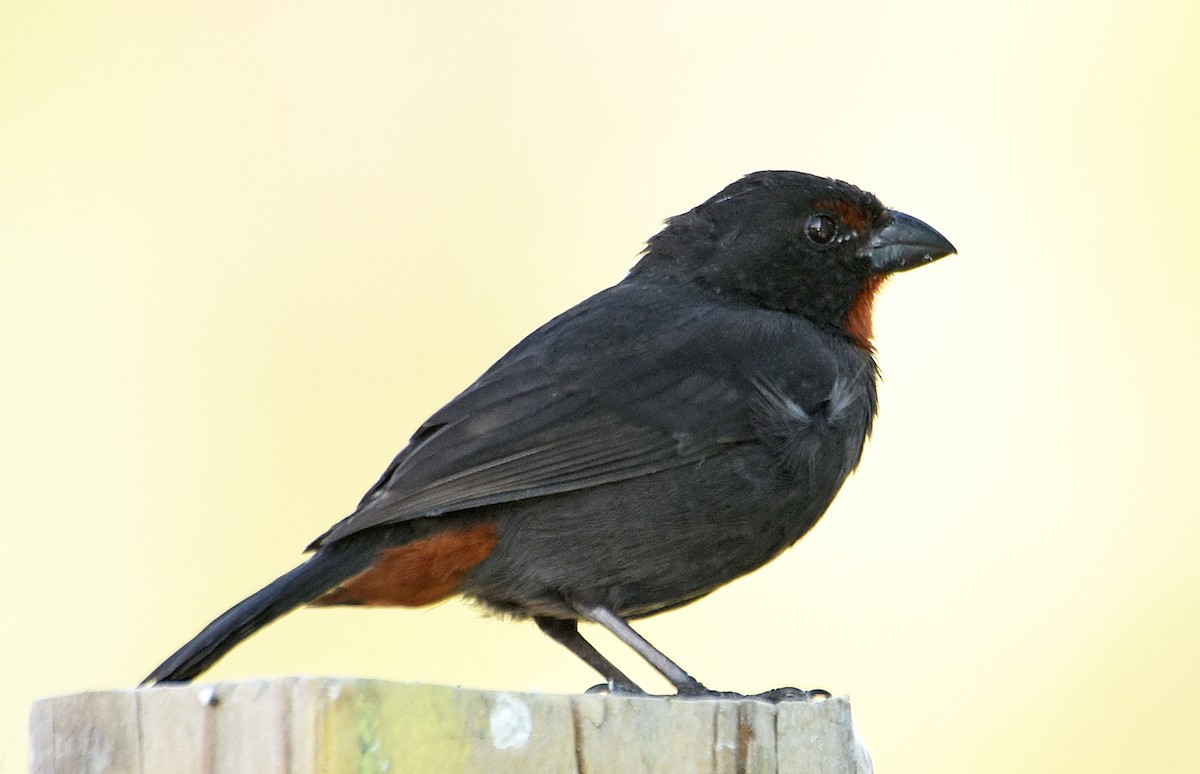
[
  {"x": 788, "y": 693},
  {"x": 614, "y": 688},
  {"x": 773, "y": 696}
]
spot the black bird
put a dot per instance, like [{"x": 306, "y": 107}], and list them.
[{"x": 665, "y": 436}]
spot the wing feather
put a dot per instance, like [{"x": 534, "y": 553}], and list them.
[{"x": 593, "y": 397}]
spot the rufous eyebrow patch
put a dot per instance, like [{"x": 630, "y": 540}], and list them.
[{"x": 847, "y": 212}]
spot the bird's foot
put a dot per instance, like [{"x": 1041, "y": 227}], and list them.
[
  {"x": 788, "y": 693},
  {"x": 773, "y": 696}
]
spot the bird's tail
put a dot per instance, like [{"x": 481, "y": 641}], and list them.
[{"x": 325, "y": 570}]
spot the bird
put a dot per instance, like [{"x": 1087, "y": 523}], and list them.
[{"x": 656, "y": 441}]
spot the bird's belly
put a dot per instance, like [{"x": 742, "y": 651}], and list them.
[{"x": 647, "y": 544}]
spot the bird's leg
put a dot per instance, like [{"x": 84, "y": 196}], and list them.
[
  {"x": 566, "y": 633},
  {"x": 685, "y": 684}
]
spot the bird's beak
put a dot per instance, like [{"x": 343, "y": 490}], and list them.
[{"x": 903, "y": 243}]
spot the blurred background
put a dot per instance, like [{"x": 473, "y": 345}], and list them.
[{"x": 246, "y": 248}]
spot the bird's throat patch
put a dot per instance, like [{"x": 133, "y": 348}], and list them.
[
  {"x": 859, "y": 322},
  {"x": 418, "y": 573}
]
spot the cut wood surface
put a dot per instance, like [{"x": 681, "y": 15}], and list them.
[{"x": 301, "y": 725}]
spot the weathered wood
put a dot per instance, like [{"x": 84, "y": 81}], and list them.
[{"x": 333, "y": 726}]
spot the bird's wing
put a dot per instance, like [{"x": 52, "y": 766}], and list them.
[{"x": 613, "y": 389}]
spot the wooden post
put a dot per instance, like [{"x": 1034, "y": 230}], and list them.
[{"x": 301, "y": 725}]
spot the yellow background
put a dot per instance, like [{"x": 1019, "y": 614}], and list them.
[{"x": 245, "y": 248}]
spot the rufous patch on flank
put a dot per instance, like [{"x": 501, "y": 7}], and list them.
[
  {"x": 418, "y": 573},
  {"x": 846, "y": 212},
  {"x": 859, "y": 321}
]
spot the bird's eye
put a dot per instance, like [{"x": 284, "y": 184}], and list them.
[{"x": 821, "y": 228}]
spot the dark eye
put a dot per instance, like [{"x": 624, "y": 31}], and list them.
[{"x": 821, "y": 228}]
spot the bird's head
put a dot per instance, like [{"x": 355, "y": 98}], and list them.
[{"x": 796, "y": 243}]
